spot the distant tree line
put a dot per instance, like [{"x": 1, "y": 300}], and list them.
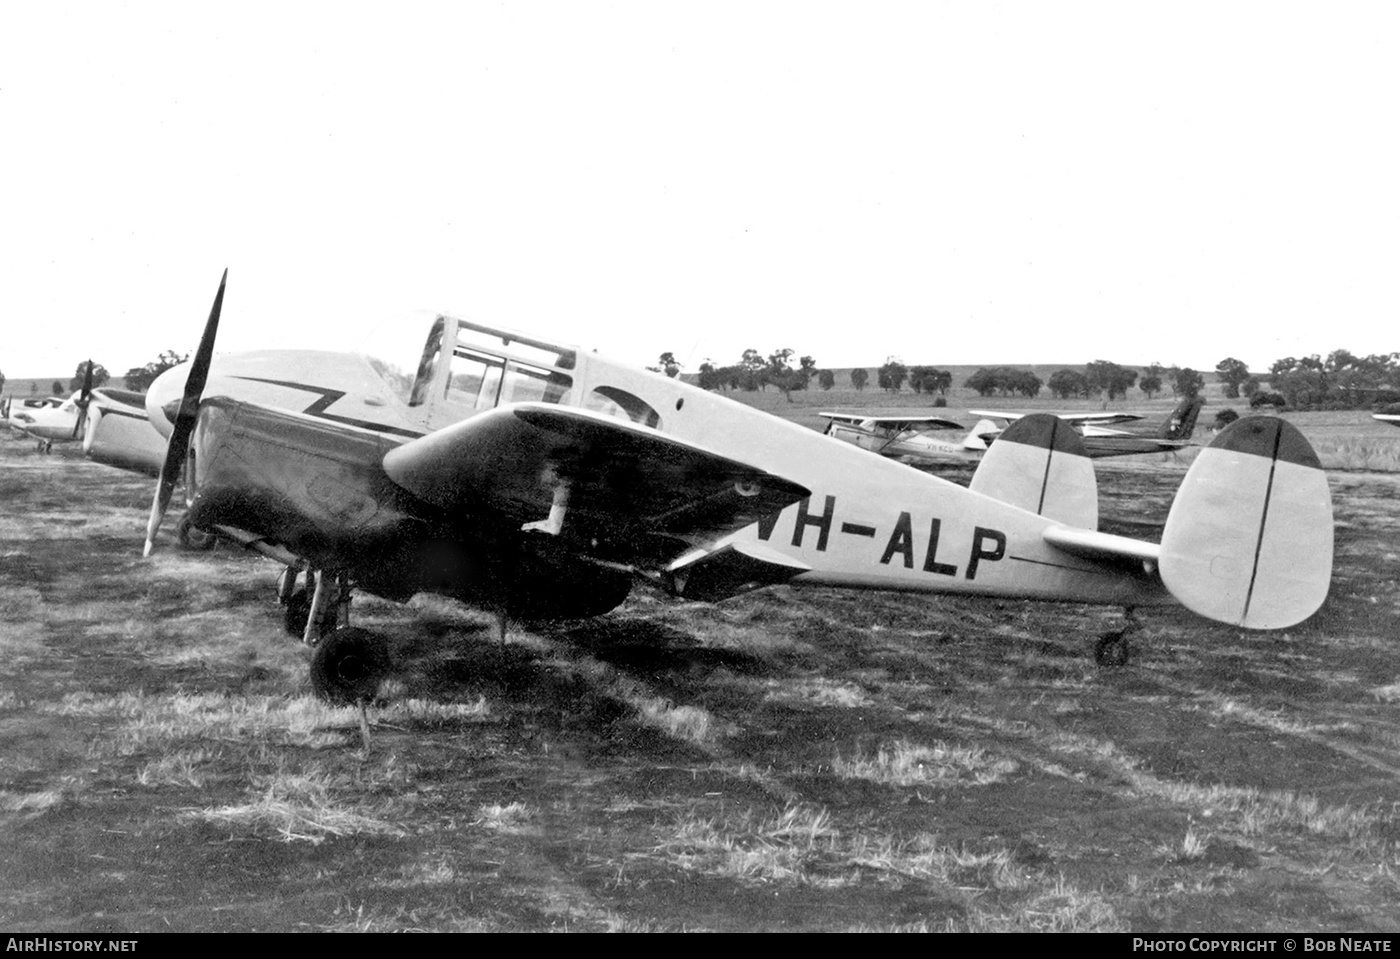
[{"x": 754, "y": 371}]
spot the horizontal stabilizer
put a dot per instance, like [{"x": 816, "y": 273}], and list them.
[
  {"x": 1039, "y": 464},
  {"x": 1248, "y": 540},
  {"x": 733, "y": 569},
  {"x": 1104, "y": 547}
]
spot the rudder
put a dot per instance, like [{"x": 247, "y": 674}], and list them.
[
  {"x": 1039, "y": 464},
  {"x": 1248, "y": 540}
]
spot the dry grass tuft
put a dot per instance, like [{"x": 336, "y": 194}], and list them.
[
  {"x": 30, "y": 802},
  {"x": 299, "y": 807},
  {"x": 910, "y": 764},
  {"x": 508, "y": 818},
  {"x": 686, "y": 723},
  {"x": 157, "y": 720},
  {"x": 182, "y": 768}
]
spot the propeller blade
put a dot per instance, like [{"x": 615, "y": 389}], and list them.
[
  {"x": 178, "y": 447},
  {"x": 84, "y": 400}
]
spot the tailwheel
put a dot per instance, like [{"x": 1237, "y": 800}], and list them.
[
  {"x": 1113, "y": 651},
  {"x": 348, "y": 666},
  {"x": 192, "y": 537}
]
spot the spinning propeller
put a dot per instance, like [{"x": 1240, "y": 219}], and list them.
[
  {"x": 84, "y": 401},
  {"x": 178, "y": 448}
]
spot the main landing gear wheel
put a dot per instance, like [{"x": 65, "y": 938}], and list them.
[
  {"x": 348, "y": 666},
  {"x": 193, "y": 538}
]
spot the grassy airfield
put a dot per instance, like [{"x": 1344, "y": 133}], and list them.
[{"x": 791, "y": 759}]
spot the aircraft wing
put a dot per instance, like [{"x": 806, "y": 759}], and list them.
[
  {"x": 609, "y": 487},
  {"x": 912, "y": 423},
  {"x": 1392, "y": 418},
  {"x": 1078, "y": 419},
  {"x": 1126, "y": 444}
]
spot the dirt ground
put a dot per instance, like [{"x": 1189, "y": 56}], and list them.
[{"x": 789, "y": 760}]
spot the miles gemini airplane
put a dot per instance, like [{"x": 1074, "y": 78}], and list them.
[{"x": 540, "y": 480}]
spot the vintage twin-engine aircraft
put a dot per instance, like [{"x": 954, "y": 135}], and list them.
[
  {"x": 909, "y": 437},
  {"x": 539, "y": 480},
  {"x": 1173, "y": 433}
]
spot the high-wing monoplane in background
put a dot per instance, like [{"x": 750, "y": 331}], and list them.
[
  {"x": 1173, "y": 433},
  {"x": 1388, "y": 414},
  {"x": 540, "y": 480},
  {"x": 910, "y": 437}
]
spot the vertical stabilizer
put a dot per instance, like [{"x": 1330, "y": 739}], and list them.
[
  {"x": 1181, "y": 422},
  {"x": 976, "y": 439},
  {"x": 1039, "y": 464},
  {"x": 1249, "y": 537}
]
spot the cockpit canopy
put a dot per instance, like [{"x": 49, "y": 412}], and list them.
[{"x": 466, "y": 368}]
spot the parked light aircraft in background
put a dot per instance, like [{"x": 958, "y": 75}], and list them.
[
  {"x": 1173, "y": 433},
  {"x": 53, "y": 419},
  {"x": 538, "y": 480},
  {"x": 114, "y": 428},
  {"x": 119, "y": 433},
  {"x": 909, "y": 436},
  {"x": 1388, "y": 414}
]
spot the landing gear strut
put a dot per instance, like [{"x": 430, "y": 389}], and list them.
[
  {"x": 1112, "y": 650},
  {"x": 349, "y": 663}
]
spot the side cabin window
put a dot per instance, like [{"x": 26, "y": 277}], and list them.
[
  {"x": 480, "y": 381},
  {"x": 612, "y": 401}
]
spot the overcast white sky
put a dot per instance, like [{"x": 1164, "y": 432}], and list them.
[{"x": 948, "y": 182}]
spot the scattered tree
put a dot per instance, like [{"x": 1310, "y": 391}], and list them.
[
  {"x": 892, "y": 375},
  {"x": 1188, "y": 383},
  {"x": 1151, "y": 380},
  {"x": 826, "y": 379},
  {"x": 1104, "y": 376},
  {"x": 140, "y": 378},
  {"x": 669, "y": 365},
  {"x": 1006, "y": 380},
  {"x": 859, "y": 378},
  {"x": 1068, "y": 384},
  {"x": 930, "y": 379},
  {"x": 1224, "y": 418},
  {"x": 57, "y": 387},
  {"x": 99, "y": 376},
  {"x": 1234, "y": 374}
]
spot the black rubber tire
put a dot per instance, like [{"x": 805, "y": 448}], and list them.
[
  {"x": 193, "y": 538},
  {"x": 348, "y": 666},
  {"x": 297, "y": 612},
  {"x": 1112, "y": 651}
]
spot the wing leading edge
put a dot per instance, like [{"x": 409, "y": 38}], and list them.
[{"x": 614, "y": 489}]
